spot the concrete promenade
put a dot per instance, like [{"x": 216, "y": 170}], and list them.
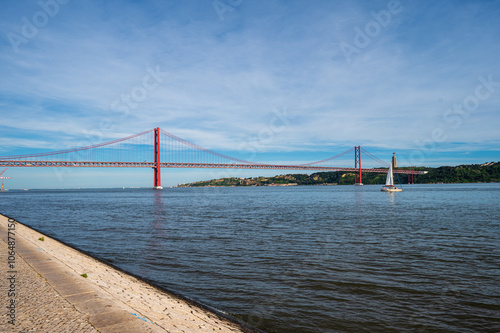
[{"x": 42, "y": 289}]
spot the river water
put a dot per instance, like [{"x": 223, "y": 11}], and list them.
[{"x": 297, "y": 259}]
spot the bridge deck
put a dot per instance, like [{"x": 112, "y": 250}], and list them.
[{"x": 86, "y": 164}]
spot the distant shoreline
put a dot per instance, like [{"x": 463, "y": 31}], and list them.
[
  {"x": 276, "y": 185},
  {"x": 461, "y": 174}
]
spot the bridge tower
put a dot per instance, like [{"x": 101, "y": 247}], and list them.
[
  {"x": 156, "y": 168},
  {"x": 357, "y": 164}
]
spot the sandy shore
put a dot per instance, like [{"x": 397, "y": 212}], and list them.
[{"x": 110, "y": 300}]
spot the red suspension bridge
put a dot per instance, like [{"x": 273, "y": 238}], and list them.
[{"x": 158, "y": 149}]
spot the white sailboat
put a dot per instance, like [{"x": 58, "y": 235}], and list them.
[{"x": 389, "y": 183}]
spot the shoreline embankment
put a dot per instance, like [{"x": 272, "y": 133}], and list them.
[{"x": 52, "y": 286}]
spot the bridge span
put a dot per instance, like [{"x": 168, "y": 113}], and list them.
[{"x": 134, "y": 152}]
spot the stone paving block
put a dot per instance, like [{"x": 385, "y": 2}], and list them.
[
  {"x": 35, "y": 258},
  {"x": 55, "y": 275},
  {"x": 26, "y": 252},
  {"x": 83, "y": 297},
  {"x": 71, "y": 288},
  {"x": 95, "y": 307},
  {"x": 111, "y": 318},
  {"x": 131, "y": 327},
  {"x": 24, "y": 246},
  {"x": 44, "y": 265},
  {"x": 58, "y": 278}
]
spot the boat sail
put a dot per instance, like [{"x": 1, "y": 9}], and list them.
[{"x": 389, "y": 182}]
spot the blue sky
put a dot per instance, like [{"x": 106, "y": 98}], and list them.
[{"x": 420, "y": 78}]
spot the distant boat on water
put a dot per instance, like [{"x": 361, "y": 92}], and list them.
[{"x": 389, "y": 183}]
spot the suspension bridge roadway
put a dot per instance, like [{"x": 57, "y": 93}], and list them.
[{"x": 82, "y": 164}]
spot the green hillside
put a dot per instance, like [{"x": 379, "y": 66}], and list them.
[{"x": 487, "y": 172}]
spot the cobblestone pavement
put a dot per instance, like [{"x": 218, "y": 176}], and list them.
[{"x": 39, "y": 308}]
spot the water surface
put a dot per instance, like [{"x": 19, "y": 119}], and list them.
[{"x": 298, "y": 259}]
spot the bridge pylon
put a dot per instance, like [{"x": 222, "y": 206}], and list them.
[
  {"x": 411, "y": 179},
  {"x": 357, "y": 165},
  {"x": 157, "y": 168}
]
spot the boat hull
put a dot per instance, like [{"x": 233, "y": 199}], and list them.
[{"x": 391, "y": 189}]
